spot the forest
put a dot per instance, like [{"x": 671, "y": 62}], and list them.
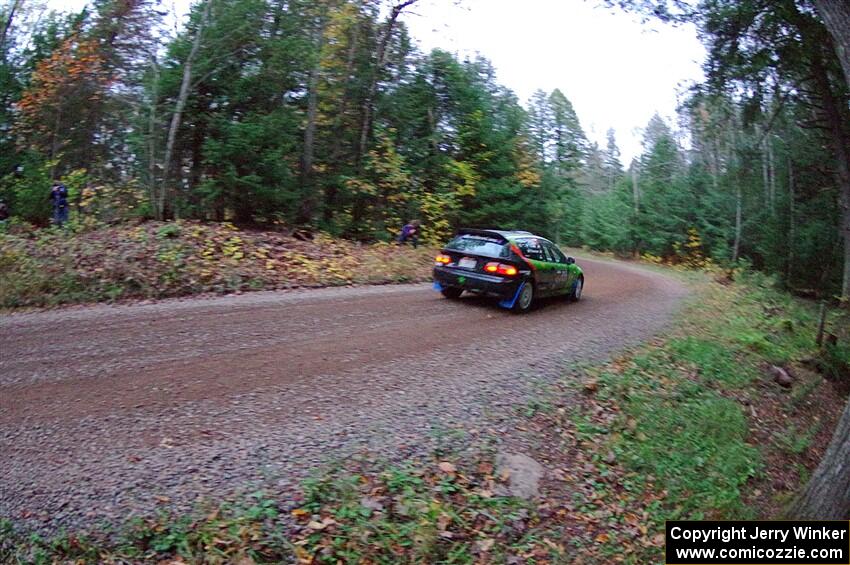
[{"x": 323, "y": 116}]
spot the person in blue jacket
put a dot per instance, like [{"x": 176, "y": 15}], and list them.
[{"x": 59, "y": 200}]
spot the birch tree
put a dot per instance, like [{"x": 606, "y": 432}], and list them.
[{"x": 177, "y": 113}]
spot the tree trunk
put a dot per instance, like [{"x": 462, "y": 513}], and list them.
[
  {"x": 635, "y": 190},
  {"x": 343, "y": 106},
  {"x": 336, "y": 143},
  {"x": 736, "y": 247},
  {"x": 54, "y": 141},
  {"x": 715, "y": 164},
  {"x": 380, "y": 61},
  {"x": 153, "y": 129},
  {"x": 177, "y": 116},
  {"x": 836, "y": 16},
  {"x": 7, "y": 26},
  {"x": 771, "y": 165},
  {"x": 768, "y": 172},
  {"x": 835, "y": 114},
  {"x": 635, "y": 210},
  {"x": 827, "y": 495},
  {"x": 765, "y": 173},
  {"x": 792, "y": 226},
  {"x": 308, "y": 202},
  {"x": 197, "y": 166}
]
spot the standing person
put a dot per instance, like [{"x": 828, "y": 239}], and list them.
[
  {"x": 410, "y": 232},
  {"x": 59, "y": 199}
]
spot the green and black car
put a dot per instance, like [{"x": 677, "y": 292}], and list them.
[{"x": 515, "y": 266}]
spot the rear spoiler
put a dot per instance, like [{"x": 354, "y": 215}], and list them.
[{"x": 492, "y": 234}]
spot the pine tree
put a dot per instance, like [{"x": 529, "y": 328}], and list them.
[{"x": 611, "y": 158}]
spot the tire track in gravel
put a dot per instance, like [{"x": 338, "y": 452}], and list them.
[{"x": 105, "y": 408}]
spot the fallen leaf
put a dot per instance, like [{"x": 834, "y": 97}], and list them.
[
  {"x": 485, "y": 545},
  {"x": 553, "y": 545},
  {"x": 303, "y": 556},
  {"x": 371, "y": 503},
  {"x": 447, "y": 467}
]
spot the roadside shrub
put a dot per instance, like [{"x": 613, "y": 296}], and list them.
[
  {"x": 834, "y": 363},
  {"x": 89, "y": 262}
]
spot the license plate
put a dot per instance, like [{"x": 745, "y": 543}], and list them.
[{"x": 467, "y": 263}]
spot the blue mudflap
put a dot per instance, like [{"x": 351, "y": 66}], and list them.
[
  {"x": 509, "y": 302},
  {"x": 438, "y": 287}
]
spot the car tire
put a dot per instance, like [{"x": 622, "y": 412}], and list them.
[
  {"x": 525, "y": 299},
  {"x": 452, "y": 292},
  {"x": 575, "y": 293}
]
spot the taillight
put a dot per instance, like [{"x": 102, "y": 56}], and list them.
[
  {"x": 501, "y": 269},
  {"x": 442, "y": 260}
]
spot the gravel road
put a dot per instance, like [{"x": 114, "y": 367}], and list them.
[{"x": 112, "y": 411}]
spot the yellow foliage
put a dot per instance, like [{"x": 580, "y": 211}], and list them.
[
  {"x": 464, "y": 177},
  {"x": 527, "y": 174},
  {"x": 436, "y": 209},
  {"x": 690, "y": 254},
  {"x": 650, "y": 258}
]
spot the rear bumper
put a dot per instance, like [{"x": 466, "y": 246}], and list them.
[{"x": 500, "y": 287}]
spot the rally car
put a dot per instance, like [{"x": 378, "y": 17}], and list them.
[{"x": 515, "y": 266}]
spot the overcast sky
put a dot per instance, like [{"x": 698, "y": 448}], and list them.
[{"x": 615, "y": 70}]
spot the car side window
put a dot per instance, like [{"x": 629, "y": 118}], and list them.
[
  {"x": 550, "y": 256},
  {"x": 532, "y": 249},
  {"x": 557, "y": 255}
]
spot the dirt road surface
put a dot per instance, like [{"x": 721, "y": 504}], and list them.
[{"x": 112, "y": 411}]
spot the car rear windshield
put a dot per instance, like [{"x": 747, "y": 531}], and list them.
[{"x": 478, "y": 245}]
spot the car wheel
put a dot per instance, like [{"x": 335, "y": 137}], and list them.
[
  {"x": 452, "y": 292},
  {"x": 525, "y": 298},
  {"x": 575, "y": 293}
]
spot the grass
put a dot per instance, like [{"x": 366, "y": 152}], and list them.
[
  {"x": 685, "y": 434},
  {"x": 714, "y": 361},
  {"x": 427, "y": 513},
  {"x": 410, "y": 515},
  {"x": 243, "y": 533},
  {"x": 691, "y": 426}
]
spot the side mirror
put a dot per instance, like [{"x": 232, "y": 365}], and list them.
[{"x": 570, "y": 260}]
